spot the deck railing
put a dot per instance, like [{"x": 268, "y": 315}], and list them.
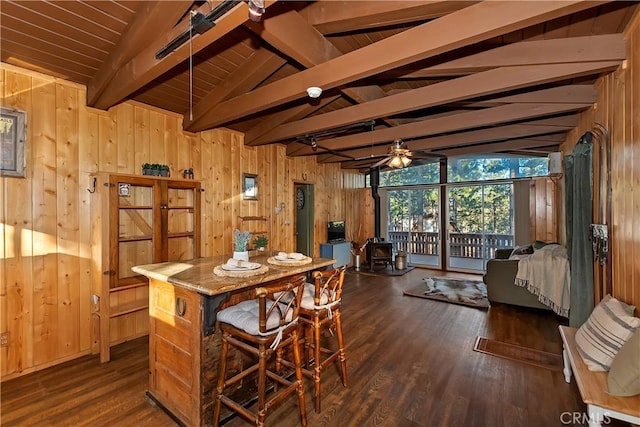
[{"x": 464, "y": 245}]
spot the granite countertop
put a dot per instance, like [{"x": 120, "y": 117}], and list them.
[{"x": 197, "y": 274}]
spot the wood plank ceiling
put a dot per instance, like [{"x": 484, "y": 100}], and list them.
[{"x": 447, "y": 77}]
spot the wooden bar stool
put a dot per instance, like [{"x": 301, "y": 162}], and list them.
[
  {"x": 320, "y": 311},
  {"x": 260, "y": 327}
]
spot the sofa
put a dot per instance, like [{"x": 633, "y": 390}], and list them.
[{"x": 500, "y": 277}]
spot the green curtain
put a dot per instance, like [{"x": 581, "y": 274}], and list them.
[{"x": 579, "y": 195}]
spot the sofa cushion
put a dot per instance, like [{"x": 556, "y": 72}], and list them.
[
  {"x": 624, "y": 376},
  {"x": 538, "y": 244},
  {"x": 606, "y": 330},
  {"x": 521, "y": 251}
]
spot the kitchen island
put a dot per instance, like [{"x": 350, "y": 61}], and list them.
[{"x": 184, "y": 345}]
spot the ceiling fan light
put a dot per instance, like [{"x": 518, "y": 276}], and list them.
[
  {"x": 396, "y": 162},
  {"x": 406, "y": 161},
  {"x": 256, "y": 9}
]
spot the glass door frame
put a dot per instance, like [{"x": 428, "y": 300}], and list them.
[
  {"x": 487, "y": 252},
  {"x": 444, "y": 238},
  {"x": 384, "y": 217}
]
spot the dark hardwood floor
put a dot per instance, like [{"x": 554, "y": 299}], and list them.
[{"x": 410, "y": 363}]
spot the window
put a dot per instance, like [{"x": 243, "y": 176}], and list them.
[
  {"x": 469, "y": 169},
  {"x": 415, "y": 175}
]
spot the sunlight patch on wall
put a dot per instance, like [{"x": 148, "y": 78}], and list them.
[
  {"x": 35, "y": 243},
  {"x": 7, "y": 250}
]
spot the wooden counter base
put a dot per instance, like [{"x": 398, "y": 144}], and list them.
[{"x": 184, "y": 348}]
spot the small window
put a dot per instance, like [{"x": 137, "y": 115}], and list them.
[
  {"x": 469, "y": 169},
  {"x": 413, "y": 175}
]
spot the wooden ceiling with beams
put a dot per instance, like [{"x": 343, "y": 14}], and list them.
[{"x": 447, "y": 77}]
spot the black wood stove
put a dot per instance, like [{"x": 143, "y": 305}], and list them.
[{"x": 379, "y": 253}]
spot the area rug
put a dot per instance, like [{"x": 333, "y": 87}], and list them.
[
  {"x": 472, "y": 293},
  {"x": 526, "y": 355}
]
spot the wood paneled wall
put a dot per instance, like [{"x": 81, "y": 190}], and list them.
[
  {"x": 618, "y": 110},
  {"x": 48, "y": 260},
  {"x": 542, "y": 209}
]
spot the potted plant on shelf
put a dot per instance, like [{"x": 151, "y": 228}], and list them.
[
  {"x": 146, "y": 169},
  {"x": 241, "y": 240},
  {"x": 260, "y": 242},
  {"x": 164, "y": 170}
]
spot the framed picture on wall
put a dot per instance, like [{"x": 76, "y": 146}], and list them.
[
  {"x": 249, "y": 186},
  {"x": 13, "y": 137}
]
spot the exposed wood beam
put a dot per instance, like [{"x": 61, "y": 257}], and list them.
[
  {"x": 608, "y": 47},
  {"x": 359, "y": 164},
  {"x": 472, "y": 86},
  {"x": 144, "y": 67},
  {"x": 251, "y": 72},
  {"x": 283, "y": 116},
  {"x": 457, "y": 122},
  {"x": 562, "y": 94},
  {"x": 290, "y": 34},
  {"x": 498, "y": 133},
  {"x": 469, "y": 25},
  {"x": 365, "y": 165},
  {"x": 152, "y": 20},
  {"x": 516, "y": 144},
  {"x": 537, "y": 128},
  {"x": 338, "y": 16},
  {"x": 533, "y": 152}
]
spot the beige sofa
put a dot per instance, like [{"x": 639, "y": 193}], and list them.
[{"x": 500, "y": 277}]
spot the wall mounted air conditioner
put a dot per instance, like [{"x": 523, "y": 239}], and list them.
[{"x": 555, "y": 163}]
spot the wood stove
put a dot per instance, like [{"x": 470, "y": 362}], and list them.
[{"x": 379, "y": 253}]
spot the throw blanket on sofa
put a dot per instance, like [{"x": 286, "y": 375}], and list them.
[{"x": 545, "y": 273}]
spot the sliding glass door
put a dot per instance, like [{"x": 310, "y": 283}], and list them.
[
  {"x": 413, "y": 224},
  {"x": 480, "y": 221},
  {"x": 477, "y": 221}
]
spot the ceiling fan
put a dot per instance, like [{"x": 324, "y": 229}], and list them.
[{"x": 399, "y": 156}]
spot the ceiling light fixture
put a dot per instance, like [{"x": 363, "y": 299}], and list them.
[
  {"x": 401, "y": 157},
  {"x": 256, "y": 9},
  {"x": 396, "y": 162},
  {"x": 314, "y": 92}
]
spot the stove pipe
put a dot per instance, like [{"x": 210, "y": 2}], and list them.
[{"x": 374, "y": 178}]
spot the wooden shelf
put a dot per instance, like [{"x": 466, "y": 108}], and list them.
[
  {"x": 253, "y": 218},
  {"x": 133, "y": 282},
  {"x": 180, "y": 234},
  {"x": 135, "y": 238},
  {"x": 130, "y": 207},
  {"x": 154, "y": 177},
  {"x": 129, "y": 307}
]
